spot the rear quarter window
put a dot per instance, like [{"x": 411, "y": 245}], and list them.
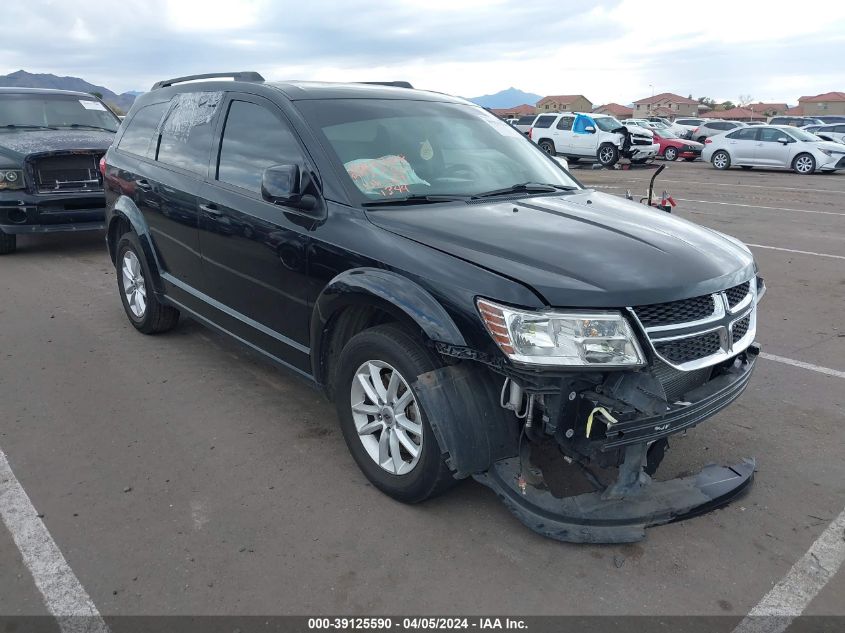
[
  {"x": 140, "y": 130},
  {"x": 544, "y": 121}
]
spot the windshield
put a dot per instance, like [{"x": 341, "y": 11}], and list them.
[
  {"x": 54, "y": 111},
  {"x": 607, "y": 123},
  {"x": 391, "y": 148},
  {"x": 801, "y": 135}
]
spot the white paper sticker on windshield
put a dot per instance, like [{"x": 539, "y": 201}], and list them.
[{"x": 92, "y": 105}]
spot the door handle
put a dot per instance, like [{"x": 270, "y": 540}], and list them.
[
  {"x": 210, "y": 209},
  {"x": 144, "y": 185}
]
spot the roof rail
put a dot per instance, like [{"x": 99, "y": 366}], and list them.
[
  {"x": 395, "y": 84},
  {"x": 247, "y": 75}
]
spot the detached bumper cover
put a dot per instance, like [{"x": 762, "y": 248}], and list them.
[{"x": 588, "y": 518}]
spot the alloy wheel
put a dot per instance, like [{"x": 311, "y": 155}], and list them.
[
  {"x": 670, "y": 154},
  {"x": 720, "y": 160},
  {"x": 387, "y": 417},
  {"x": 606, "y": 155},
  {"x": 134, "y": 286},
  {"x": 804, "y": 164}
]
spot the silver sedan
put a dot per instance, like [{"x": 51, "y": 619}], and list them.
[{"x": 773, "y": 146}]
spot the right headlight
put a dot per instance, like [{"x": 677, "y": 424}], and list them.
[
  {"x": 11, "y": 179},
  {"x": 579, "y": 338}
]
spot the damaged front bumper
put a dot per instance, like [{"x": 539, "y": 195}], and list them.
[
  {"x": 23, "y": 212},
  {"x": 629, "y": 444},
  {"x": 593, "y": 518}
]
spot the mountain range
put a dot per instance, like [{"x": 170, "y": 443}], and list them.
[
  {"x": 506, "y": 99},
  {"x": 23, "y": 79}
]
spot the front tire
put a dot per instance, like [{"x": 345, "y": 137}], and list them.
[
  {"x": 134, "y": 281},
  {"x": 721, "y": 160},
  {"x": 8, "y": 243},
  {"x": 381, "y": 417},
  {"x": 608, "y": 155},
  {"x": 690, "y": 160},
  {"x": 804, "y": 164}
]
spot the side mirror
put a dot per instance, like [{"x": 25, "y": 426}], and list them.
[
  {"x": 282, "y": 184},
  {"x": 783, "y": 140},
  {"x": 590, "y": 129}
]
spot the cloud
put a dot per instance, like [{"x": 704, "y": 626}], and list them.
[{"x": 609, "y": 50}]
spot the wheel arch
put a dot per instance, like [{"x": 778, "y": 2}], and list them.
[
  {"x": 360, "y": 298},
  {"x": 126, "y": 216}
]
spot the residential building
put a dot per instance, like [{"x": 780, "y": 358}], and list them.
[
  {"x": 820, "y": 105},
  {"x": 769, "y": 109},
  {"x": 666, "y": 104},
  {"x": 564, "y": 103},
  {"x": 515, "y": 112},
  {"x": 736, "y": 114},
  {"x": 615, "y": 109}
]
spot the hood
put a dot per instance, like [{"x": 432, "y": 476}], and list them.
[
  {"x": 693, "y": 144},
  {"x": 582, "y": 250},
  {"x": 830, "y": 146},
  {"x": 18, "y": 144},
  {"x": 636, "y": 129}
]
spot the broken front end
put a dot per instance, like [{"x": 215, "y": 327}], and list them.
[{"x": 572, "y": 452}]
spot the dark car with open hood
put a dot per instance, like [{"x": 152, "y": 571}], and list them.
[
  {"x": 471, "y": 309},
  {"x": 51, "y": 142}
]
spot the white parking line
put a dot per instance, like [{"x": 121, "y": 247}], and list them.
[
  {"x": 803, "y": 365},
  {"x": 728, "y": 184},
  {"x": 793, "y": 593},
  {"x": 792, "y": 250},
  {"x": 64, "y": 596},
  {"x": 755, "y": 206}
]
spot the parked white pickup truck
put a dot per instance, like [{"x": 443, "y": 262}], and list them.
[{"x": 592, "y": 136}]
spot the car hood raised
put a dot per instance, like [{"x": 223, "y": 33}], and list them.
[
  {"x": 18, "y": 144},
  {"x": 586, "y": 249}
]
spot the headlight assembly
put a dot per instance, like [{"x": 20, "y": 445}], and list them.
[
  {"x": 579, "y": 338},
  {"x": 826, "y": 152},
  {"x": 11, "y": 179}
]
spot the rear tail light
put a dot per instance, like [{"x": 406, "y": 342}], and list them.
[
  {"x": 531, "y": 133},
  {"x": 708, "y": 140},
  {"x": 102, "y": 166}
]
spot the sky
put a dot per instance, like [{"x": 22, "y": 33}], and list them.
[{"x": 609, "y": 51}]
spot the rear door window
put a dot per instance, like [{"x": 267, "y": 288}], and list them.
[
  {"x": 744, "y": 134},
  {"x": 565, "y": 123},
  {"x": 140, "y": 130},
  {"x": 187, "y": 130},
  {"x": 254, "y": 138}
]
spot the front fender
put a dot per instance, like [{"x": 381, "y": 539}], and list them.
[
  {"x": 391, "y": 291},
  {"x": 125, "y": 209}
]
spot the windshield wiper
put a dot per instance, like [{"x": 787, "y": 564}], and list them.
[
  {"x": 525, "y": 187},
  {"x": 76, "y": 126},
  {"x": 415, "y": 199},
  {"x": 28, "y": 127}
]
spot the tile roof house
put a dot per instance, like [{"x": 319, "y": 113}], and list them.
[
  {"x": 564, "y": 103},
  {"x": 819, "y": 105},
  {"x": 770, "y": 109},
  {"x": 615, "y": 109},
  {"x": 666, "y": 104},
  {"x": 736, "y": 114},
  {"x": 515, "y": 112}
]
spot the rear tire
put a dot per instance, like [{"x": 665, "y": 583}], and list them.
[
  {"x": 689, "y": 160},
  {"x": 746, "y": 167},
  {"x": 670, "y": 154},
  {"x": 608, "y": 155},
  {"x": 572, "y": 160},
  {"x": 721, "y": 160},
  {"x": 134, "y": 281},
  {"x": 8, "y": 243},
  {"x": 390, "y": 349},
  {"x": 804, "y": 164},
  {"x": 548, "y": 147}
]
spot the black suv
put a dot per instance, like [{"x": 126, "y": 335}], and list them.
[
  {"x": 471, "y": 309},
  {"x": 51, "y": 142}
]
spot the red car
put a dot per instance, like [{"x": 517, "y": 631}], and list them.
[{"x": 673, "y": 146}]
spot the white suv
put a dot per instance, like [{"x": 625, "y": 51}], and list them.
[{"x": 596, "y": 136}]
